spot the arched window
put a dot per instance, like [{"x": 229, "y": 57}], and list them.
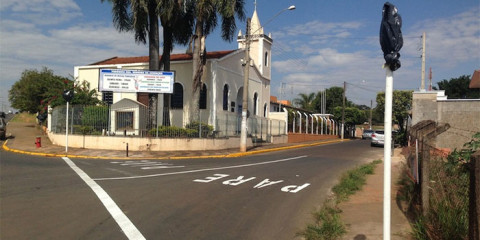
[
  {"x": 202, "y": 103},
  {"x": 225, "y": 97},
  {"x": 266, "y": 59},
  {"x": 177, "y": 96},
  {"x": 265, "y": 110},
  {"x": 255, "y": 103}
]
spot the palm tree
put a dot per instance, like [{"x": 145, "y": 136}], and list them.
[
  {"x": 305, "y": 101},
  {"x": 141, "y": 17},
  {"x": 176, "y": 17},
  {"x": 206, "y": 13}
]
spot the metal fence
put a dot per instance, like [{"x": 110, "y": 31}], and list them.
[{"x": 139, "y": 121}]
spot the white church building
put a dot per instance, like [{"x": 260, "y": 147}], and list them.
[{"x": 222, "y": 91}]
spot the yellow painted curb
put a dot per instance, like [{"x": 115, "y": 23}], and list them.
[{"x": 231, "y": 155}]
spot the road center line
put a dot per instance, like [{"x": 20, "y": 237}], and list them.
[
  {"x": 122, "y": 220},
  {"x": 200, "y": 170}
]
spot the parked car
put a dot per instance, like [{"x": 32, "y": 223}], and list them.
[
  {"x": 367, "y": 133},
  {"x": 378, "y": 138},
  {"x": 3, "y": 128}
]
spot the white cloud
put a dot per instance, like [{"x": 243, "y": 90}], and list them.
[
  {"x": 329, "y": 53},
  {"x": 41, "y": 12},
  {"x": 450, "y": 41}
]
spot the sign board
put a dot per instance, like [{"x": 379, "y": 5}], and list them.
[{"x": 118, "y": 80}]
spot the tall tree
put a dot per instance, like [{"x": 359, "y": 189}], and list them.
[
  {"x": 141, "y": 17},
  {"x": 353, "y": 115},
  {"x": 206, "y": 14},
  {"x": 176, "y": 17},
  {"x": 38, "y": 89},
  {"x": 305, "y": 101},
  {"x": 401, "y": 105},
  {"x": 334, "y": 98},
  {"x": 457, "y": 88},
  {"x": 28, "y": 93}
]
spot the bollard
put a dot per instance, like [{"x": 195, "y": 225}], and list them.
[
  {"x": 38, "y": 141},
  {"x": 127, "y": 150}
]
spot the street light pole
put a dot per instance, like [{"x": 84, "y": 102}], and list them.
[
  {"x": 246, "y": 75},
  {"x": 246, "y": 65}
]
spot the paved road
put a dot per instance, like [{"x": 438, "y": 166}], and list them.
[{"x": 268, "y": 196}]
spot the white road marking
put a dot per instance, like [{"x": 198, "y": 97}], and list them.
[
  {"x": 122, "y": 220},
  {"x": 161, "y": 166},
  {"x": 201, "y": 170}
]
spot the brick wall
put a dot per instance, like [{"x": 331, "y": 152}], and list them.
[{"x": 302, "y": 137}]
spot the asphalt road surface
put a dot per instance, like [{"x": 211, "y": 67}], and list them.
[{"x": 267, "y": 196}]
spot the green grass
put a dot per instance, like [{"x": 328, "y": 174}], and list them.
[
  {"x": 328, "y": 223},
  {"x": 24, "y": 118}
]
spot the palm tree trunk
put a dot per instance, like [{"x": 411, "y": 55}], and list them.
[
  {"x": 154, "y": 58},
  {"x": 197, "y": 65},
  {"x": 153, "y": 39},
  {"x": 165, "y": 62}
]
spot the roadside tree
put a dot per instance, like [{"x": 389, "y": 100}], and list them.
[
  {"x": 29, "y": 93},
  {"x": 457, "y": 88},
  {"x": 305, "y": 101},
  {"x": 206, "y": 14}
]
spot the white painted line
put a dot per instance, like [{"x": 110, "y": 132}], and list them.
[
  {"x": 122, "y": 220},
  {"x": 149, "y": 164},
  {"x": 200, "y": 170},
  {"x": 161, "y": 166}
]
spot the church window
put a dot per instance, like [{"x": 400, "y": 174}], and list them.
[
  {"x": 255, "y": 103},
  {"x": 177, "y": 96},
  {"x": 266, "y": 59},
  {"x": 225, "y": 97},
  {"x": 202, "y": 104}
]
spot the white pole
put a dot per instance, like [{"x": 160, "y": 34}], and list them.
[
  {"x": 66, "y": 131},
  {"x": 306, "y": 123},
  {"x": 300, "y": 122},
  {"x": 387, "y": 154}
]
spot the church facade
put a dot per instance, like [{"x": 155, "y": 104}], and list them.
[{"x": 223, "y": 82}]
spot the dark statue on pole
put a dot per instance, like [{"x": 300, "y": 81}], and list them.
[{"x": 391, "y": 38}]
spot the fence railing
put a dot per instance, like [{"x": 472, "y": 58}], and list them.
[{"x": 140, "y": 121}]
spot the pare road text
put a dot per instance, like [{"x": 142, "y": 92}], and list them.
[{"x": 241, "y": 180}]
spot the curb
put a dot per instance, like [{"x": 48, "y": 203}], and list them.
[{"x": 231, "y": 155}]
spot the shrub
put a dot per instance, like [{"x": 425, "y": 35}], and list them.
[
  {"x": 195, "y": 126},
  {"x": 95, "y": 117},
  {"x": 447, "y": 216}
]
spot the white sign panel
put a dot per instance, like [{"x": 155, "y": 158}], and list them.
[{"x": 117, "y": 80}]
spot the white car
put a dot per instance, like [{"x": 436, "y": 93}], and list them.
[
  {"x": 367, "y": 133},
  {"x": 378, "y": 138}
]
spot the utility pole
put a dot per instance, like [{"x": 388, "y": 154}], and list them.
[
  {"x": 430, "y": 80},
  {"x": 422, "y": 87},
  {"x": 343, "y": 109},
  {"x": 371, "y": 105},
  {"x": 246, "y": 65},
  {"x": 282, "y": 92}
]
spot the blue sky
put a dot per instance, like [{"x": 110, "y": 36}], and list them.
[{"x": 320, "y": 44}]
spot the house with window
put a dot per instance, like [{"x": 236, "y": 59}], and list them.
[{"x": 222, "y": 89}]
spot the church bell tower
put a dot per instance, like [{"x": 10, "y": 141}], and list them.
[{"x": 260, "y": 46}]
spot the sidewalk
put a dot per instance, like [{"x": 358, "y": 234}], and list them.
[
  {"x": 21, "y": 139},
  {"x": 363, "y": 212}
]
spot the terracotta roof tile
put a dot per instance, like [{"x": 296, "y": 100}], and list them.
[
  {"x": 173, "y": 57},
  {"x": 475, "y": 81}
]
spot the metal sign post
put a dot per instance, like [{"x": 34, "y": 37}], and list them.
[
  {"x": 66, "y": 131},
  {"x": 387, "y": 150},
  {"x": 391, "y": 41}
]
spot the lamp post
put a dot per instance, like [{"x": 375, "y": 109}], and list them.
[
  {"x": 246, "y": 64},
  {"x": 68, "y": 96}
]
